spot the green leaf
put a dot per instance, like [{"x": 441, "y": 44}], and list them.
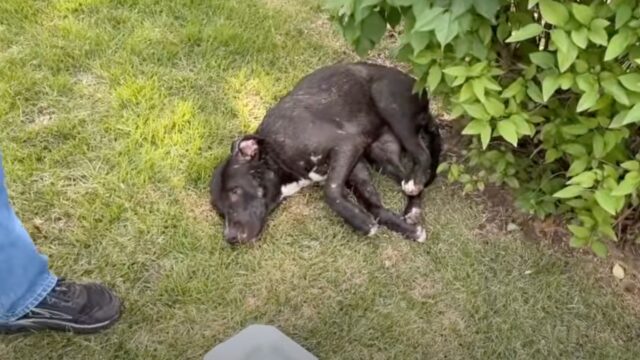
[
  {"x": 599, "y": 248},
  {"x": 585, "y": 179},
  {"x": 530, "y": 71},
  {"x": 526, "y": 32},
  {"x": 581, "y": 66},
  {"x": 512, "y": 182},
  {"x": 419, "y": 40},
  {"x": 508, "y": 131},
  {"x": 554, "y": 12},
  {"x": 617, "y": 45},
  {"x": 560, "y": 39},
  {"x": 598, "y": 35},
  {"x": 475, "y": 127},
  {"x": 487, "y": 8},
  {"x": 633, "y": 116},
  {"x": 534, "y": 92},
  {"x": 611, "y": 139},
  {"x": 628, "y": 185},
  {"x": 446, "y": 29},
  {"x": 494, "y": 107},
  {"x": 630, "y": 81},
  {"x": 582, "y": 13},
  {"x": 491, "y": 84},
  {"x": 631, "y": 165},
  {"x": 618, "y": 120},
  {"x": 466, "y": 93},
  {"x": 580, "y": 37},
  {"x": 566, "y": 81},
  {"x": 426, "y": 20},
  {"x": 478, "y": 89},
  {"x": 569, "y": 192},
  {"x": 607, "y": 231},
  {"x": 598, "y": 146},
  {"x": 623, "y": 14},
  {"x": 459, "y": 7},
  {"x": 578, "y": 166},
  {"x": 485, "y": 136},
  {"x": 434, "y": 77},
  {"x": 456, "y": 71},
  {"x": 543, "y": 59},
  {"x": 567, "y": 56},
  {"x": 522, "y": 126},
  {"x": 513, "y": 89},
  {"x": 374, "y": 27},
  {"x": 485, "y": 33},
  {"x": 551, "y": 155},
  {"x": 442, "y": 168},
  {"x": 613, "y": 88},
  {"x": 587, "y": 82},
  {"x": 576, "y": 242},
  {"x": 579, "y": 231},
  {"x": 476, "y": 111},
  {"x": 575, "y": 129},
  {"x": 574, "y": 149},
  {"x": 606, "y": 201},
  {"x": 587, "y": 100},
  {"x": 532, "y": 3},
  {"x": 549, "y": 85}
]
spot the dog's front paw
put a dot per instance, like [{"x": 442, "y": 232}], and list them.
[
  {"x": 414, "y": 216},
  {"x": 420, "y": 235},
  {"x": 374, "y": 230},
  {"x": 411, "y": 188}
]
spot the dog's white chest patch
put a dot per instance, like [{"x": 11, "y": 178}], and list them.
[
  {"x": 315, "y": 177},
  {"x": 289, "y": 189}
]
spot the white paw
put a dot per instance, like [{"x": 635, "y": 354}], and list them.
[
  {"x": 374, "y": 230},
  {"x": 421, "y": 235},
  {"x": 410, "y": 188},
  {"x": 413, "y": 217}
]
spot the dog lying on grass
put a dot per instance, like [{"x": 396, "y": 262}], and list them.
[{"x": 327, "y": 130}]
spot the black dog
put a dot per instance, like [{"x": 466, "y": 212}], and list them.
[{"x": 319, "y": 132}]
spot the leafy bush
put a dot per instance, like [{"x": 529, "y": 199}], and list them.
[{"x": 550, "y": 91}]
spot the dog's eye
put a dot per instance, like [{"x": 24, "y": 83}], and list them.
[{"x": 234, "y": 194}]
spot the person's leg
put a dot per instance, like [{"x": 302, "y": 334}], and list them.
[
  {"x": 31, "y": 297},
  {"x": 25, "y": 278}
]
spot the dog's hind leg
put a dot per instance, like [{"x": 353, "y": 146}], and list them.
[
  {"x": 405, "y": 114},
  {"x": 342, "y": 162},
  {"x": 366, "y": 193},
  {"x": 385, "y": 153}
]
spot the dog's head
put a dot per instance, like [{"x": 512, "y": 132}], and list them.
[{"x": 244, "y": 190}]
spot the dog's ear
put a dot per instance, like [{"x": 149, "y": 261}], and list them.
[{"x": 247, "y": 148}]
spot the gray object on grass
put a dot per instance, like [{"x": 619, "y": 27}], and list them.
[{"x": 259, "y": 342}]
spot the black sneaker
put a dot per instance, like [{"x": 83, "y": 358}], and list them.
[{"x": 79, "y": 308}]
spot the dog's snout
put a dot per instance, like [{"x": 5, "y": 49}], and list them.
[{"x": 235, "y": 235}]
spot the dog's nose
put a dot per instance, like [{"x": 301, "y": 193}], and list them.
[
  {"x": 235, "y": 236},
  {"x": 231, "y": 235}
]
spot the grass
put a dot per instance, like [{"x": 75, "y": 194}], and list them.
[{"x": 112, "y": 115}]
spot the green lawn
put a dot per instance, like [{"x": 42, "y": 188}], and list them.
[{"x": 112, "y": 115}]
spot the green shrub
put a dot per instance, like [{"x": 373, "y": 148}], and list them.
[{"x": 550, "y": 91}]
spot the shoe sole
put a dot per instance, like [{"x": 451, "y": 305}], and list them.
[{"x": 37, "y": 325}]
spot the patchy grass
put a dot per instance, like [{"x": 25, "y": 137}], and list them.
[{"x": 112, "y": 115}]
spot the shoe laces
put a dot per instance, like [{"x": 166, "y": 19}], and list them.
[{"x": 60, "y": 294}]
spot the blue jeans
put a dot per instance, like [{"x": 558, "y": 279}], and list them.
[{"x": 25, "y": 278}]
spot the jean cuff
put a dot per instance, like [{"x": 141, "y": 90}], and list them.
[{"x": 48, "y": 283}]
